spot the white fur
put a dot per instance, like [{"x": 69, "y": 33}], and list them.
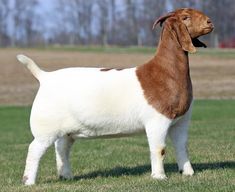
[{"x": 86, "y": 102}]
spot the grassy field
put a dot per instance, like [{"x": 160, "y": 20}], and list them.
[
  {"x": 225, "y": 53},
  {"x": 123, "y": 164}
]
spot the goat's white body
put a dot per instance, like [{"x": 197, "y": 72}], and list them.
[{"x": 87, "y": 102}]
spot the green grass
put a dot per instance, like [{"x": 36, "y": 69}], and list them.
[
  {"x": 123, "y": 164},
  {"x": 100, "y": 49},
  {"x": 217, "y": 53}
]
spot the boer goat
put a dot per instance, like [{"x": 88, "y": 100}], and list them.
[{"x": 92, "y": 102}]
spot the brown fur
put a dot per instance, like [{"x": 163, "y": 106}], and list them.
[
  {"x": 163, "y": 152},
  {"x": 197, "y": 23},
  {"x": 166, "y": 78}
]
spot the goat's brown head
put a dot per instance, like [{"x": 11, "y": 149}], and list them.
[{"x": 188, "y": 24}]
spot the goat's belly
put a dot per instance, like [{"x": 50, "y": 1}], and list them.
[
  {"x": 109, "y": 130},
  {"x": 105, "y": 123}
]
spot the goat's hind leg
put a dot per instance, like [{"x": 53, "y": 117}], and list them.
[
  {"x": 36, "y": 149},
  {"x": 62, "y": 148}
]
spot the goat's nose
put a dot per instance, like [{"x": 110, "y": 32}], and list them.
[{"x": 209, "y": 21}]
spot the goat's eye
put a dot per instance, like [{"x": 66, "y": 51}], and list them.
[{"x": 186, "y": 17}]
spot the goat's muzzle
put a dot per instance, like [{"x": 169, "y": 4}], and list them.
[{"x": 210, "y": 25}]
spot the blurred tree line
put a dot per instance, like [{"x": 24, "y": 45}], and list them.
[{"x": 102, "y": 22}]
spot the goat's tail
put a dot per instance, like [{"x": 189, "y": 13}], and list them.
[{"x": 31, "y": 65}]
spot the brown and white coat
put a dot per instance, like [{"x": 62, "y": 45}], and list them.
[{"x": 155, "y": 97}]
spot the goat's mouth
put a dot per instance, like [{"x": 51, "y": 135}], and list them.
[{"x": 208, "y": 29}]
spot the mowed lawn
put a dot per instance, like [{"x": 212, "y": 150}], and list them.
[{"x": 123, "y": 164}]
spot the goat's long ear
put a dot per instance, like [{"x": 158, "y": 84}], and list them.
[
  {"x": 162, "y": 19},
  {"x": 184, "y": 37},
  {"x": 198, "y": 43}
]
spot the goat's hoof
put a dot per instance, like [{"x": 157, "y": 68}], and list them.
[
  {"x": 186, "y": 169},
  {"x": 159, "y": 176},
  {"x": 26, "y": 181},
  {"x": 187, "y": 172}
]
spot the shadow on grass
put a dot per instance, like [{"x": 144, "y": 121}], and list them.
[
  {"x": 116, "y": 172},
  {"x": 142, "y": 169},
  {"x": 199, "y": 167}
]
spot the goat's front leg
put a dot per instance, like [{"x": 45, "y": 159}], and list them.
[
  {"x": 156, "y": 130},
  {"x": 62, "y": 148},
  {"x": 179, "y": 136}
]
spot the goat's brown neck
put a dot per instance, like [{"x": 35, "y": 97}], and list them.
[
  {"x": 166, "y": 79},
  {"x": 171, "y": 56}
]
